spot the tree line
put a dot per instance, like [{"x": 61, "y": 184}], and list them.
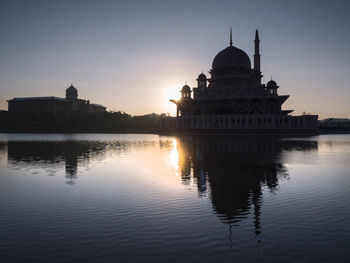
[{"x": 101, "y": 122}]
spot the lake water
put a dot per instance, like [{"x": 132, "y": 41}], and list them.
[{"x": 149, "y": 198}]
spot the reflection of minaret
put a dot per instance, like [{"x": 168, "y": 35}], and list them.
[
  {"x": 256, "y": 200},
  {"x": 71, "y": 166},
  {"x": 202, "y": 184},
  {"x": 184, "y": 164},
  {"x": 198, "y": 172}
]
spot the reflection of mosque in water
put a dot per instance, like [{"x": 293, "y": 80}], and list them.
[
  {"x": 51, "y": 154},
  {"x": 234, "y": 170}
]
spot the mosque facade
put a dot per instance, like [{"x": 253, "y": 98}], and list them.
[
  {"x": 54, "y": 105},
  {"x": 234, "y": 100}
]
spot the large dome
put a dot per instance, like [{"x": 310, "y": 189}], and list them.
[{"x": 231, "y": 57}]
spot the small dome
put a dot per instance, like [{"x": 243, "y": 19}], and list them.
[
  {"x": 186, "y": 88},
  {"x": 271, "y": 84},
  {"x": 231, "y": 57},
  {"x": 71, "y": 90},
  {"x": 202, "y": 77}
]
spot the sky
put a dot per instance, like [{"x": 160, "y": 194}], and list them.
[{"x": 134, "y": 56}]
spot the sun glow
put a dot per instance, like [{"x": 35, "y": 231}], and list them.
[
  {"x": 171, "y": 91},
  {"x": 174, "y": 155}
]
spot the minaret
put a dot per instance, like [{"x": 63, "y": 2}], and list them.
[
  {"x": 231, "y": 36},
  {"x": 257, "y": 53}
]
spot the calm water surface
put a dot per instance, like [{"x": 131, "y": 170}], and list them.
[{"x": 148, "y": 198}]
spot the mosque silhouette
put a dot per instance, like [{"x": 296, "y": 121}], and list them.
[{"x": 234, "y": 100}]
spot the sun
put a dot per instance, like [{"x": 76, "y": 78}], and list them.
[{"x": 170, "y": 91}]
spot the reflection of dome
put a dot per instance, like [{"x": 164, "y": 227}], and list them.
[
  {"x": 186, "y": 88},
  {"x": 271, "y": 84},
  {"x": 231, "y": 57},
  {"x": 202, "y": 77}
]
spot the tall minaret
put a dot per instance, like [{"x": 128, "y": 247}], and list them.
[{"x": 257, "y": 53}]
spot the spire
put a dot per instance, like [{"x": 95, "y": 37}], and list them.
[
  {"x": 231, "y": 36},
  {"x": 257, "y": 51},
  {"x": 257, "y": 42}
]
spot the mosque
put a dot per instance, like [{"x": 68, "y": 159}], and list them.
[
  {"x": 234, "y": 100},
  {"x": 54, "y": 105}
]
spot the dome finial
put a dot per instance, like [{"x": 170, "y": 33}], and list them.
[{"x": 231, "y": 36}]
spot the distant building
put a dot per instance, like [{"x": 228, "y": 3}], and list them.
[
  {"x": 335, "y": 122},
  {"x": 54, "y": 104},
  {"x": 234, "y": 100}
]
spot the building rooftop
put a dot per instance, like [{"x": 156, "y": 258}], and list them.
[
  {"x": 98, "y": 105},
  {"x": 38, "y": 98}
]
